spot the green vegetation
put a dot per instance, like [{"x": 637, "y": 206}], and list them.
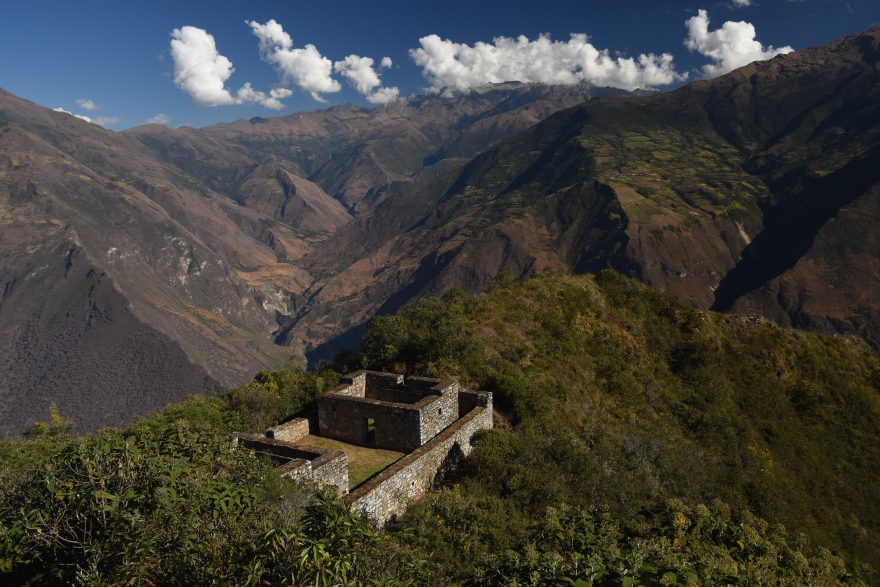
[
  {"x": 638, "y": 442},
  {"x": 678, "y": 168},
  {"x": 170, "y": 502},
  {"x": 620, "y": 398}
]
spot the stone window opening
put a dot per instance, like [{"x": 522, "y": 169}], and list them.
[{"x": 370, "y": 431}]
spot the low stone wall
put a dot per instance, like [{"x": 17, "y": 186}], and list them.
[
  {"x": 326, "y": 468},
  {"x": 289, "y": 431},
  {"x": 389, "y": 493},
  {"x": 330, "y": 470}
]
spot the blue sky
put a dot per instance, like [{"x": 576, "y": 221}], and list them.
[{"x": 117, "y": 54}]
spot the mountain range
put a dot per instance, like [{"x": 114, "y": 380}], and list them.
[{"x": 142, "y": 266}]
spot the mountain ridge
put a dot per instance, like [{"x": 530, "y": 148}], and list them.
[{"x": 253, "y": 242}]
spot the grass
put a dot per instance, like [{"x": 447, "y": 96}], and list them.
[{"x": 363, "y": 461}]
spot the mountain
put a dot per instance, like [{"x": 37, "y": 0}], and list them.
[
  {"x": 235, "y": 247},
  {"x": 355, "y": 153},
  {"x": 752, "y": 192},
  {"x": 139, "y": 267},
  {"x": 623, "y": 400},
  {"x": 123, "y": 282}
]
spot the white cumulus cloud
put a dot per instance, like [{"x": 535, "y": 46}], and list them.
[
  {"x": 100, "y": 121},
  {"x": 731, "y": 46},
  {"x": 446, "y": 64},
  {"x": 742, "y": 3},
  {"x": 362, "y": 76},
  {"x": 305, "y": 68},
  {"x": 86, "y": 104},
  {"x": 384, "y": 95},
  {"x": 201, "y": 71},
  {"x": 386, "y": 63},
  {"x": 271, "y": 101}
]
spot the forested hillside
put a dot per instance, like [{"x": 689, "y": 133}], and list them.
[{"x": 637, "y": 441}]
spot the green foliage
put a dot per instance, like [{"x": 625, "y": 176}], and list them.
[
  {"x": 622, "y": 397},
  {"x": 425, "y": 336},
  {"x": 56, "y": 425},
  {"x": 170, "y": 502},
  {"x": 672, "y": 544},
  {"x": 620, "y": 410},
  {"x": 272, "y": 396}
]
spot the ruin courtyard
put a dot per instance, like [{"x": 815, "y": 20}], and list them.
[{"x": 380, "y": 439}]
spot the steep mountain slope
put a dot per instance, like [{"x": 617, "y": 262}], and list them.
[
  {"x": 715, "y": 192},
  {"x": 746, "y": 193},
  {"x": 119, "y": 276},
  {"x": 637, "y": 442},
  {"x": 354, "y": 153},
  {"x": 178, "y": 248}
]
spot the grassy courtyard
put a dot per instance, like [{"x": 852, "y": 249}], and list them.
[{"x": 363, "y": 461}]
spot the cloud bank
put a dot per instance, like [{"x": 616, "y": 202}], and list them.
[
  {"x": 446, "y": 64},
  {"x": 309, "y": 70},
  {"x": 731, "y": 46},
  {"x": 202, "y": 72},
  {"x": 80, "y": 116},
  {"x": 100, "y": 121}
]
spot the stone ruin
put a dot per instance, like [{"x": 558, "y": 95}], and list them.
[{"x": 430, "y": 420}]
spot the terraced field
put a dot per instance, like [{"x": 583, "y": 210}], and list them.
[{"x": 680, "y": 171}]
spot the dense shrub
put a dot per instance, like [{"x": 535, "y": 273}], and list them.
[{"x": 623, "y": 397}]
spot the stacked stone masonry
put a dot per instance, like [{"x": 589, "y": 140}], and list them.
[
  {"x": 386, "y": 411},
  {"x": 431, "y": 420},
  {"x": 327, "y": 468},
  {"x": 389, "y": 493},
  {"x": 290, "y": 431}
]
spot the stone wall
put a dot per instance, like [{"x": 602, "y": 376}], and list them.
[
  {"x": 389, "y": 493},
  {"x": 439, "y": 414},
  {"x": 324, "y": 467},
  {"x": 353, "y": 384},
  {"x": 290, "y": 431},
  {"x": 396, "y": 426},
  {"x": 386, "y": 411},
  {"x": 426, "y": 425}
]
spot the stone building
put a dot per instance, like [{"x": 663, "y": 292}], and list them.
[{"x": 432, "y": 421}]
